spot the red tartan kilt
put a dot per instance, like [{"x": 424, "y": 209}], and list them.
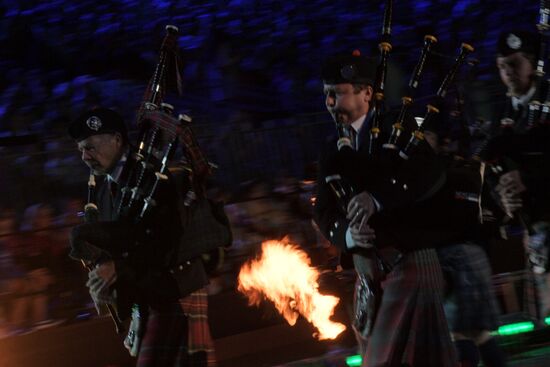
[
  {"x": 410, "y": 328},
  {"x": 177, "y": 334},
  {"x": 165, "y": 340}
]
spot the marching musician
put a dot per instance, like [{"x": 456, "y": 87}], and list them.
[
  {"x": 470, "y": 302},
  {"x": 516, "y": 63},
  {"x": 520, "y": 143},
  {"x": 169, "y": 321},
  {"x": 398, "y": 300}
]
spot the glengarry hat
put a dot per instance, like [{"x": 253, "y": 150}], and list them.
[
  {"x": 349, "y": 68},
  {"x": 95, "y": 122},
  {"x": 510, "y": 42}
]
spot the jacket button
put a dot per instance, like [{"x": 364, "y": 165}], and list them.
[
  {"x": 405, "y": 187},
  {"x": 335, "y": 224},
  {"x": 180, "y": 267},
  {"x": 188, "y": 262},
  {"x": 393, "y": 181},
  {"x": 331, "y": 234}
]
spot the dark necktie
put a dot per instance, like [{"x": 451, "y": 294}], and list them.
[
  {"x": 113, "y": 189},
  {"x": 362, "y": 137},
  {"x": 519, "y": 112},
  {"x": 353, "y": 138}
]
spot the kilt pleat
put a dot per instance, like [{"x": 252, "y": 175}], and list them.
[
  {"x": 177, "y": 334},
  {"x": 165, "y": 339},
  {"x": 410, "y": 328},
  {"x": 470, "y": 303},
  {"x": 195, "y": 306}
]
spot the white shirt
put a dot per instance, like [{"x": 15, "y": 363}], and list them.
[
  {"x": 357, "y": 125},
  {"x": 115, "y": 175},
  {"x": 523, "y": 100}
]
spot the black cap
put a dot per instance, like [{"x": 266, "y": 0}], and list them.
[
  {"x": 95, "y": 122},
  {"x": 518, "y": 41},
  {"x": 349, "y": 68}
]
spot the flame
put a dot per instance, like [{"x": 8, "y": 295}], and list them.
[{"x": 284, "y": 276}]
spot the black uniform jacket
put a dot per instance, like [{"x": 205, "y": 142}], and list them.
[
  {"x": 147, "y": 267},
  {"x": 525, "y": 146},
  {"x": 401, "y": 188},
  {"x": 528, "y": 152}
]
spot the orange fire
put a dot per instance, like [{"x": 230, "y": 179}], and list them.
[{"x": 284, "y": 276}]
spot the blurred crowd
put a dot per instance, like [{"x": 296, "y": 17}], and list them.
[
  {"x": 39, "y": 283},
  {"x": 41, "y": 286},
  {"x": 247, "y": 66},
  {"x": 257, "y": 57}
]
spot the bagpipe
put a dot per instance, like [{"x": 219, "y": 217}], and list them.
[
  {"x": 206, "y": 226},
  {"x": 160, "y": 133},
  {"x": 394, "y": 152},
  {"x": 206, "y": 229},
  {"x": 398, "y": 127},
  {"x": 431, "y": 109}
]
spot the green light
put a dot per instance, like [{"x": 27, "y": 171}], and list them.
[
  {"x": 354, "y": 361},
  {"x": 510, "y": 329},
  {"x": 520, "y": 327},
  {"x": 547, "y": 320}
]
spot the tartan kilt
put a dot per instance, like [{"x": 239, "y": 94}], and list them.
[
  {"x": 410, "y": 328},
  {"x": 470, "y": 302},
  {"x": 177, "y": 334}
]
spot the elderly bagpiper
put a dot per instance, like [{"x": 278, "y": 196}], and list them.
[{"x": 138, "y": 267}]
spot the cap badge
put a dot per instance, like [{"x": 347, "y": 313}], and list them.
[
  {"x": 513, "y": 41},
  {"x": 348, "y": 72},
  {"x": 94, "y": 123}
]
